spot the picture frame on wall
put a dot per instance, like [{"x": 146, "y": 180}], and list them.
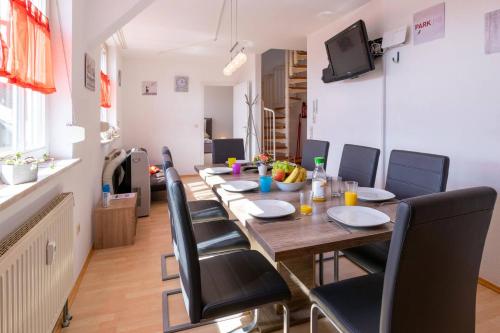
[
  {"x": 89, "y": 72},
  {"x": 181, "y": 83},
  {"x": 149, "y": 88}
]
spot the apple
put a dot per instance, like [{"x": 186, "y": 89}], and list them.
[{"x": 279, "y": 175}]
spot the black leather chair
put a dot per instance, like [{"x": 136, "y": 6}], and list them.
[
  {"x": 312, "y": 149},
  {"x": 222, "y": 149},
  {"x": 358, "y": 163},
  {"x": 222, "y": 285},
  {"x": 212, "y": 237},
  {"x": 201, "y": 210},
  {"x": 410, "y": 174},
  {"x": 432, "y": 271}
]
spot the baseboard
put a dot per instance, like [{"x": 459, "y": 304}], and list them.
[
  {"x": 74, "y": 290},
  {"x": 489, "y": 285}
]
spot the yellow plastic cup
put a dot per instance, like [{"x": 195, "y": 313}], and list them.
[{"x": 231, "y": 161}]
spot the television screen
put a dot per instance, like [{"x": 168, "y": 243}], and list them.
[{"x": 349, "y": 52}]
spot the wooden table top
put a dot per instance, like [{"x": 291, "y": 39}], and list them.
[{"x": 296, "y": 235}]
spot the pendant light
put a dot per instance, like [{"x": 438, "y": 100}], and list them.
[{"x": 240, "y": 58}]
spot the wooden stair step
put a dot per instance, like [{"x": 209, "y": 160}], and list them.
[
  {"x": 296, "y": 90},
  {"x": 293, "y": 98},
  {"x": 298, "y": 80},
  {"x": 281, "y": 126},
  {"x": 300, "y": 71},
  {"x": 301, "y": 52},
  {"x": 279, "y": 136}
]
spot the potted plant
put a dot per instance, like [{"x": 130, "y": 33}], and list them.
[
  {"x": 16, "y": 170},
  {"x": 262, "y": 161}
]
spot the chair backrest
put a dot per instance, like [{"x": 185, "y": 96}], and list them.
[
  {"x": 165, "y": 151},
  {"x": 411, "y": 174},
  {"x": 189, "y": 266},
  {"x": 167, "y": 158},
  {"x": 433, "y": 265},
  {"x": 222, "y": 149},
  {"x": 360, "y": 164},
  {"x": 312, "y": 149}
]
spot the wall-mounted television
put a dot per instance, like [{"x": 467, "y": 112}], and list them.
[{"x": 349, "y": 52}]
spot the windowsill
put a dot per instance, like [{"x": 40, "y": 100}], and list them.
[{"x": 10, "y": 194}]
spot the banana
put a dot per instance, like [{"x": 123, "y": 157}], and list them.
[
  {"x": 303, "y": 174},
  {"x": 299, "y": 177},
  {"x": 293, "y": 176}
]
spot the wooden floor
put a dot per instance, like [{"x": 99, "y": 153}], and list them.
[{"x": 121, "y": 290}]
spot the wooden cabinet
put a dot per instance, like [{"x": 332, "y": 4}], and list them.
[{"x": 116, "y": 225}]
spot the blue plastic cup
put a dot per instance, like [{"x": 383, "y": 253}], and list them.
[{"x": 265, "y": 183}]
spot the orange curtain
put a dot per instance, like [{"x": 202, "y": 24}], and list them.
[
  {"x": 105, "y": 91},
  {"x": 29, "y": 57}
]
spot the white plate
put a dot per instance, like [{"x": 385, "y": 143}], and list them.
[
  {"x": 270, "y": 209},
  {"x": 218, "y": 170},
  {"x": 374, "y": 194},
  {"x": 357, "y": 216},
  {"x": 240, "y": 186}
]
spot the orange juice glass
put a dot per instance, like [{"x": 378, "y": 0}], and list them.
[
  {"x": 306, "y": 203},
  {"x": 351, "y": 193}
]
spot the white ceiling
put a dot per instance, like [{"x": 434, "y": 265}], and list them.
[{"x": 189, "y": 26}]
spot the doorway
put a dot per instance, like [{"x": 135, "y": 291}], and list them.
[{"x": 218, "y": 117}]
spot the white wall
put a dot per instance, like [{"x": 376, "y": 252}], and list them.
[
  {"x": 441, "y": 98},
  {"x": 218, "y": 105},
  {"x": 171, "y": 118}
]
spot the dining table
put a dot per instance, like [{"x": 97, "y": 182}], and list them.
[{"x": 292, "y": 243}]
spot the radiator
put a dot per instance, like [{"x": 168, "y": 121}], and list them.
[{"x": 36, "y": 269}]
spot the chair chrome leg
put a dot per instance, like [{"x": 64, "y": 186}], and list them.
[
  {"x": 315, "y": 310},
  {"x": 164, "y": 275},
  {"x": 286, "y": 318},
  {"x": 321, "y": 269},
  {"x": 314, "y": 318},
  {"x": 251, "y": 326},
  {"x": 335, "y": 266}
]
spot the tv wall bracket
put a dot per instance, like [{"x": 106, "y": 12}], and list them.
[
  {"x": 376, "y": 47},
  {"x": 376, "y": 50}
]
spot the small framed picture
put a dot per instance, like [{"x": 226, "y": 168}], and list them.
[
  {"x": 89, "y": 72},
  {"x": 181, "y": 84},
  {"x": 149, "y": 88}
]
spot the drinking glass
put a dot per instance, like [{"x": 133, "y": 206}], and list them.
[
  {"x": 231, "y": 161},
  {"x": 306, "y": 202},
  {"x": 351, "y": 193},
  {"x": 265, "y": 183},
  {"x": 236, "y": 168},
  {"x": 336, "y": 186}
]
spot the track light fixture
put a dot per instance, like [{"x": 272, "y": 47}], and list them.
[{"x": 240, "y": 58}]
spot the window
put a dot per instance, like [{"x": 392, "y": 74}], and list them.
[
  {"x": 104, "y": 69},
  {"x": 22, "y": 111}
]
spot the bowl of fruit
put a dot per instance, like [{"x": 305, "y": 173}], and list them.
[{"x": 289, "y": 177}]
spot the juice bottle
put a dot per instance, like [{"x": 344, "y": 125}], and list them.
[{"x": 319, "y": 180}]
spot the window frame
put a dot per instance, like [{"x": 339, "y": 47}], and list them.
[
  {"x": 20, "y": 98},
  {"x": 103, "y": 66}
]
